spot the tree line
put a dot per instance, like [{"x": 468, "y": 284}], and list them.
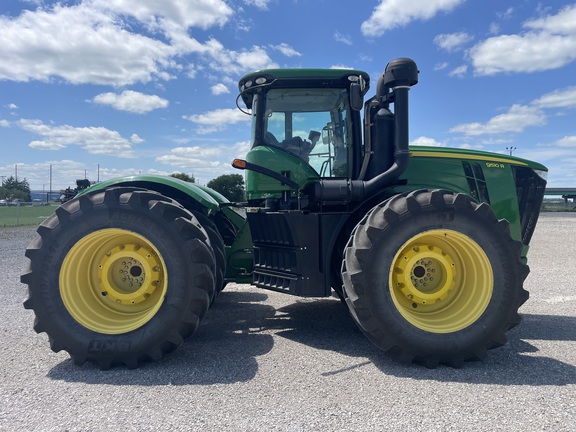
[
  {"x": 13, "y": 189},
  {"x": 229, "y": 185}
]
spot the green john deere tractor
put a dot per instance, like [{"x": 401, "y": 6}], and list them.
[{"x": 426, "y": 246}]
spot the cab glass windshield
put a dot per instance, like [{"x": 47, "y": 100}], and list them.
[{"x": 312, "y": 124}]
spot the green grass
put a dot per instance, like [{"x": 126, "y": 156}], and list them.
[
  {"x": 24, "y": 215},
  {"x": 558, "y": 205}
]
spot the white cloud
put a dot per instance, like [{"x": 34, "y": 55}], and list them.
[
  {"x": 365, "y": 57},
  {"x": 256, "y": 58},
  {"x": 219, "y": 89},
  {"x": 390, "y": 14},
  {"x": 518, "y": 118},
  {"x": 95, "y": 140},
  {"x": 494, "y": 28},
  {"x": 131, "y": 101},
  {"x": 186, "y": 161},
  {"x": 12, "y": 107},
  {"x": 205, "y": 163},
  {"x": 426, "y": 141},
  {"x": 136, "y": 139},
  {"x": 93, "y": 41},
  {"x": 564, "y": 98},
  {"x": 287, "y": 50},
  {"x": 190, "y": 157},
  {"x": 229, "y": 62},
  {"x": 100, "y": 42},
  {"x": 567, "y": 141},
  {"x": 185, "y": 13},
  {"x": 64, "y": 174},
  {"x": 507, "y": 14},
  {"x": 459, "y": 72},
  {"x": 441, "y": 66},
  {"x": 262, "y": 4},
  {"x": 452, "y": 41},
  {"x": 240, "y": 149},
  {"x": 344, "y": 38},
  {"x": 217, "y": 120},
  {"x": 341, "y": 66},
  {"x": 78, "y": 44},
  {"x": 563, "y": 23},
  {"x": 547, "y": 153},
  {"x": 4, "y": 123},
  {"x": 550, "y": 44}
]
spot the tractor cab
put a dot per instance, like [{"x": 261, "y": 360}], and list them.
[{"x": 305, "y": 127}]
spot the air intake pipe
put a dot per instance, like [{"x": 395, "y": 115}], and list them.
[{"x": 393, "y": 86}]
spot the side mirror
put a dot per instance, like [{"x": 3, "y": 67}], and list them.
[{"x": 356, "y": 98}]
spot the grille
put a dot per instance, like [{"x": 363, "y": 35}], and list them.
[
  {"x": 530, "y": 190},
  {"x": 476, "y": 181}
]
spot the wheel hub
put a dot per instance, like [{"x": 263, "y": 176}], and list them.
[
  {"x": 128, "y": 274},
  {"x": 424, "y": 274}
]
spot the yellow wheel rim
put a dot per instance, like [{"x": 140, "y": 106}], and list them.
[
  {"x": 113, "y": 281},
  {"x": 441, "y": 281}
]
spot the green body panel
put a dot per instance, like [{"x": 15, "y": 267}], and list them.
[
  {"x": 198, "y": 193},
  {"x": 466, "y": 154},
  {"x": 240, "y": 256},
  {"x": 432, "y": 168},
  {"x": 214, "y": 194},
  {"x": 261, "y": 186}
]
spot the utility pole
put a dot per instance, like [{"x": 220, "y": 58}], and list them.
[
  {"x": 510, "y": 150},
  {"x": 50, "y": 182},
  {"x": 3, "y": 177}
]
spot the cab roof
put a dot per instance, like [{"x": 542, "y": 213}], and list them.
[{"x": 299, "y": 78}]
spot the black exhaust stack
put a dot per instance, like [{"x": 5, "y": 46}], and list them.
[{"x": 393, "y": 86}]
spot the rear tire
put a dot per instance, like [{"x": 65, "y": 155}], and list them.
[
  {"x": 218, "y": 247},
  {"x": 433, "y": 277},
  {"x": 119, "y": 276}
]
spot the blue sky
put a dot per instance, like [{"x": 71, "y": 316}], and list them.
[{"x": 147, "y": 86}]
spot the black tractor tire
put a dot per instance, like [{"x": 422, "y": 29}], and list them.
[
  {"x": 433, "y": 277},
  {"x": 218, "y": 247},
  {"x": 119, "y": 276}
]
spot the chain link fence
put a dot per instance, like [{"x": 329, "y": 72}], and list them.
[{"x": 22, "y": 213}]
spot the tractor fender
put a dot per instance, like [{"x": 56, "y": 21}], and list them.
[{"x": 202, "y": 197}]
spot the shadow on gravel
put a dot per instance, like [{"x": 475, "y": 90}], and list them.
[
  {"x": 222, "y": 351},
  {"x": 225, "y": 348},
  {"x": 327, "y": 325}
]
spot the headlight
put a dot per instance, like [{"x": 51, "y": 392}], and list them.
[{"x": 542, "y": 174}]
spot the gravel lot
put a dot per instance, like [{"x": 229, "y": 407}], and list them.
[{"x": 267, "y": 362}]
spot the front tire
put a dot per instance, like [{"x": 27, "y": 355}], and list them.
[
  {"x": 119, "y": 276},
  {"x": 433, "y": 277}
]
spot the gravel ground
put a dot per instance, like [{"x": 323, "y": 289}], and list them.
[{"x": 263, "y": 361}]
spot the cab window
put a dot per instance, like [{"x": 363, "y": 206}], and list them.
[{"x": 312, "y": 124}]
